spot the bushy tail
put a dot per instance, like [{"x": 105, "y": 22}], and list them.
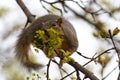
[{"x": 22, "y": 51}]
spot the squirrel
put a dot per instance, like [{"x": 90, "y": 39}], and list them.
[{"x": 26, "y": 38}]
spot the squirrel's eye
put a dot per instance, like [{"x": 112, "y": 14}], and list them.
[{"x": 53, "y": 24}]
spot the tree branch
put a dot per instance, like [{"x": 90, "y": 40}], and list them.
[
  {"x": 79, "y": 67},
  {"x": 30, "y": 17}
]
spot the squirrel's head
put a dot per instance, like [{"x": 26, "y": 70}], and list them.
[{"x": 55, "y": 24}]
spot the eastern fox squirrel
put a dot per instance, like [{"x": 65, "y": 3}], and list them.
[{"x": 26, "y": 38}]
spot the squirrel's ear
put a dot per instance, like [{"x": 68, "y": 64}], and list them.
[{"x": 59, "y": 21}]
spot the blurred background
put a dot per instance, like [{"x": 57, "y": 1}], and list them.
[{"x": 91, "y": 19}]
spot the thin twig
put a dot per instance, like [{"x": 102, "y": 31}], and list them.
[
  {"x": 111, "y": 37},
  {"x": 48, "y": 66},
  {"x": 52, "y": 5},
  {"x": 98, "y": 56},
  {"x": 82, "y": 55},
  {"x": 68, "y": 75},
  {"x": 80, "y": 15},
  {"x": 86, "y": 56},
  {"x": 109, "y": 73},
  {"x": 60, "y": 68}
]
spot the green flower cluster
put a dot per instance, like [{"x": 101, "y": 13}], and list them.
[
  {"x": 49, "y": 39},
  {"x": 66, "y": 56},
  {"x": 38, "y": 37},
  {"x": 54, "y": 41}
]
